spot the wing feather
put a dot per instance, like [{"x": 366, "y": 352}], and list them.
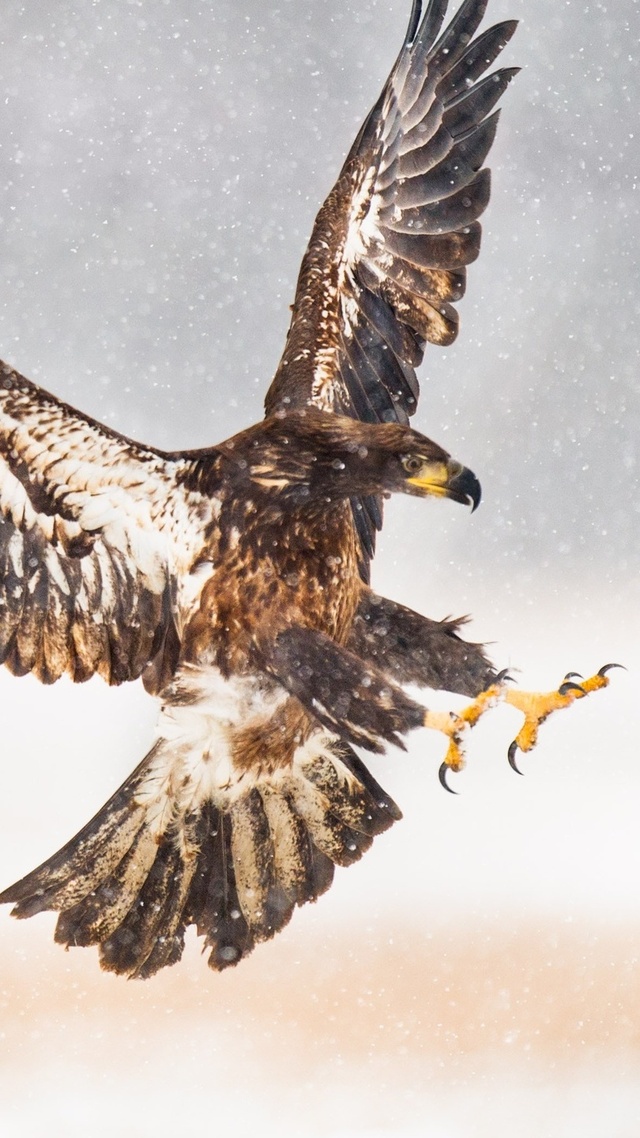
[
  {"x": 475, "y": 60},
  {"x": 421, "y": 182},
  {"x": 390, "y": 246},
  {"x": 96, "y": 533},
  {"x": 470, "y": 108},
  {"x": 453, "y": 41}
]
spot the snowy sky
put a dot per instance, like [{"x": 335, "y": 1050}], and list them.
[{"x": 161, "y": 165}]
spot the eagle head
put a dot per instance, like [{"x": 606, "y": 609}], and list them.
[{"x": 311, "y": 454}]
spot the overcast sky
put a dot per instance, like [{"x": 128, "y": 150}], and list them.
[{"x": 161, "y": 168}]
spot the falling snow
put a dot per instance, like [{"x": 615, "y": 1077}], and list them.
[{"x": 161, "y": 167}]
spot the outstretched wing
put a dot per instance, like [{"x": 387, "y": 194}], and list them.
[
  {"x": 94, "y": 531},
  {"x": 389, "y": 248}
]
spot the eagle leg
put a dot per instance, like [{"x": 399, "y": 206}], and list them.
[
  {"x": 350, "y": 697},
  {"x": 412, "y": 649},
  {"x": 535, "y": 706},
  {"x": 456, "y": 725},
  {"x": 538, "y": 706}
]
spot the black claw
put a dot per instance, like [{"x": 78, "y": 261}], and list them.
[
  {"x": 503, "y": 677},
  {"x": 607, "y": 668},
  {"x": 513, "y": 750},
  {"x": 442, "y": 775},
  {"x": 573, "y": 676},
  {"x": 568, "y": 686}
]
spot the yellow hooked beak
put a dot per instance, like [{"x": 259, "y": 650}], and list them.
[{"x": 446, "y": 480}]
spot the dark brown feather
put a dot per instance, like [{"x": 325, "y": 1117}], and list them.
[
  {"x": 428, "y": 126},
  {"x": 411, "y": 649}
]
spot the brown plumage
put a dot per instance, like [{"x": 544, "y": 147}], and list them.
[{"x": 234, "y": 580}]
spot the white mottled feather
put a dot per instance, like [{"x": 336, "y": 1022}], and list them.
[
  {"x": 126, "y": 492},
  {"x": 192, "y": 760},
  {"x": 99, "y": 520}
]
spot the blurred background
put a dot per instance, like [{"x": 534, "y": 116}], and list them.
[{"x": 477, "y": 974}]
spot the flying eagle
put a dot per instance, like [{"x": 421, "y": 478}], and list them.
[{"x": 234, "y": 579}]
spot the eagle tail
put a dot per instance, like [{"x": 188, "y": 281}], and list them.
[{"x": 144, "y": 868}]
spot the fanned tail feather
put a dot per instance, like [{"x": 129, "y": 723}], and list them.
[{"x": 236, "y": 869}]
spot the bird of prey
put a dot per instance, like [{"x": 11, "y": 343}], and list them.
[{"x": 235, "y": 579}]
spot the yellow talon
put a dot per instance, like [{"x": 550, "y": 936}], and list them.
[
  {"x": 535, "y": 706},
  {"x": 594, "y": 683},
  {"x": 538, "y": 706},
  {"x": 489, "y": 698},
  {"x": 455, "y": 725}
]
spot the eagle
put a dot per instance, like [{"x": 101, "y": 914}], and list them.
[{"x": 235, "y": 579}]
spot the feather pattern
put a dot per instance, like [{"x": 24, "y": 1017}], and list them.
[
  {"x": 96, "y": 535},
  {"x": 191, "y": 838},
  {"x": 404, "y": 210},
  {"x": 231, "y": 578}
]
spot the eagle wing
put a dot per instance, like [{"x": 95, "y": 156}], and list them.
[
  {"x": 95, "y": 532},
  {"x": 388, "y": 253}
]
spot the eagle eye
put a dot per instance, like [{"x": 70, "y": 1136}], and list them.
[{"x": 411, "y": 463}]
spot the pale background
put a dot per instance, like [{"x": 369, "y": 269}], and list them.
[{"x": 478, "y": 973}]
